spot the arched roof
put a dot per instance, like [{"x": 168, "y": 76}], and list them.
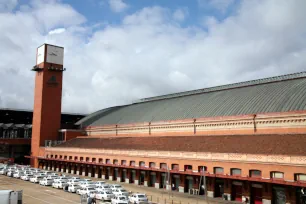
[{"x": 275, "y": 94}]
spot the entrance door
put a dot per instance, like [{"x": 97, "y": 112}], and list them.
[
  {"x": 152, "y": 179},
  {"x": 163, "y": 180},
  {"x": 107, "y": 173},
  {"x": 115, "y": 174},
  {"x": 123, "y": 175},
  {"x": 279, "y": 195},
  {"x": 237, "y": 192},
  {"x": 219, "y": 188},
  {"x": 142, "y": 177},
  {"x": 132, "y": 176},
  {"x": 256, "y": 195},
  {"x": 175, "y": 182},
  {"x": 188, "y": 183}
]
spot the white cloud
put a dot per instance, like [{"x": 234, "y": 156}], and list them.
[
  {"x": 180, "y": 14},
  {"x": 117, "y": 5},
  {"x": 149, "y": 54},
  {"x": 57, "y": 31},
  {"x": 8, "y": 5}
]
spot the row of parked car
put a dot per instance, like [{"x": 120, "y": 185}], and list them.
[{"x": 94, "y": 189}]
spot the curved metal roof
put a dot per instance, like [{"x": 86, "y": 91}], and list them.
[{"x": 275, "y": 94}]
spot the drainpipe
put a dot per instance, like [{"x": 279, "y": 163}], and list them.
[
  {"x": 254, "y": 122},
  {"x": 116, "y": 130},
  {"x": 149, "y": 128}
]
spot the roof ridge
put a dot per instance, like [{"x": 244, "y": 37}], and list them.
[{"x": 253, "y": 82}]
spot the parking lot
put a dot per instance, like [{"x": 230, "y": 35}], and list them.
[{"x": 35, "y": 193}]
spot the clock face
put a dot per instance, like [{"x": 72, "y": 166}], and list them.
[
  {"x": 40, "y": 54},
  {"x": 55, "y": 55}
]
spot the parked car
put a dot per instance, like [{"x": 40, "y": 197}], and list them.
[
  {"x": 120, "y": 200},
  {"x": 18, "y": 174},
  {"x": 75, "y": 178},
  {"x": 73, "y": 181},
  {"x": 60, "y": 178},
  {"x": 58, "y": 184},
  {"x": 138, "y": 198},
  {"x": 46, "y": 182},
  {"x": 72, "y": 188},
  {"x": 120, "y": 192},
  {"x": 87, "y": 183},
  {"x": 3, "y": 171},
  {"x": 26, "y": 177},
  {"x": 102, "y": 195},
  {"x": 100, "y": 183},
  {"x": 104, "y": 187},
  {"x": 115, "y": 186},
  {"x": 36, "y": 179},
  {"x": 86, "y": 190}
]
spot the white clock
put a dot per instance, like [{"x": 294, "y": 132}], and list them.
[{"x": 53, "y": 54}]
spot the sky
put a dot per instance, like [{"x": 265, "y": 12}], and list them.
[{"x": 118, "y": 51}]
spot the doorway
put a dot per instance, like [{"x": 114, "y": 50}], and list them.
[{"x": 219, "y": 188}]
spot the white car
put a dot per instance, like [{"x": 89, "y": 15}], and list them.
[
  {"x": 26, "y": 177},
  {"x": 137, "y": 198},
  {"x": 46, "y": 182},
  {"x": 3, "y": 171},
  {"x": 115, "y": 186},
  {"x": 104, "y": 187},
  {"x": 75, "y": 178},
  {"x": 10, "y": 173},
  {"x": 58, "y": 184},
  {"x": 120, "y": 200},
  {"x": 86, "y": 184},
  {"x": 73, "y": 181},
  {"x": 120, "y": 192},
  {"x": 86, "y": 191},
  {"x": 17, "y": 174},
  {"x": 36, "y": 179},
  {"x": 102, "y": 195},
  {"x": 60, "y": 179},
  {"x": 72, "y": 188},
  {"x": 100, "y": 183}
]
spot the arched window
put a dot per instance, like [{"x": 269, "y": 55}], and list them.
[
  {"x": 100, "y": 160},
  {"x": 175, "y": 167},
  {"x": 123, "y": 162},
  {"x": 188, "y": 167},
  {"x": 300, "y": 177},
  {"x": 163, "y": 166},
  {"x": 75, "y": 158},
  {"x": 277, "y": 175},
  {"x": 87, "y": 159},
  {"x": 152, "y": 164},
  {"x": 142, "y": 164},
  {"x": 93, "y": 160},
  {"x": 218, "y": 170},
  {"x": 115, "y": 162},
  {"x": 70, "y": 157},
  {"x": 255, "y": 173},
  {"x": 202, "y": 168},
  {"x": 235, "y": 172},
  {"x": 81, "y": 159},
  {"x": 132, "y": 163},
  {"x": 108, "y": 161}
]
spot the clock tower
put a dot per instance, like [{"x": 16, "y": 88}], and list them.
[{"x": 47, "y": 97}]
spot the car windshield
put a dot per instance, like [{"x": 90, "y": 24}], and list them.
[
  {"x": 123, "y": 190},
  {"x": 117, "y": 186},
  {"x": 141, "y": 196},
  {"x": 91, "y": 189},
  {"x": 107, "y": 192},
  {"x": 121, "y": 198}
]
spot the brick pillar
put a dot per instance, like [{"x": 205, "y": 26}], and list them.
[
  {"x": 246, "y": 191},
  {"x": 110, "y": 175},
  {"x": 210, "y": 186},
  {"x": 97, "y": 171},
  {"x": 45, "y": 165},
  {"x": 267, "y": 193},
  {"x": 136, "y": 181},
  {"x": 182, "y": 183},
  {"x": 53, "y": 166},
  {"x": 49, "y": 166},
  {"x": 157, "y": 185},
  {"x": 119, "y": 174},
  {"x": 72, "y": 166}
]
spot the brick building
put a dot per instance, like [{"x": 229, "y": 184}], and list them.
[{"x": 248, "y": 139}]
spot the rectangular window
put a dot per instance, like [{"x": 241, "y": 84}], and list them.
[
  {"x": 277, "y": 175},
  {"x": 255, "y": 173},
  {"x": 235, "y": 172},
  {"x": 218, "y": 170}
]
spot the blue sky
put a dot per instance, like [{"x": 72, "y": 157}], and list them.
[{"x": 118, "y": 51}]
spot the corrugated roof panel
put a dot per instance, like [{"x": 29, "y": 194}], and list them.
[{"x": 277, "y": 96}]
